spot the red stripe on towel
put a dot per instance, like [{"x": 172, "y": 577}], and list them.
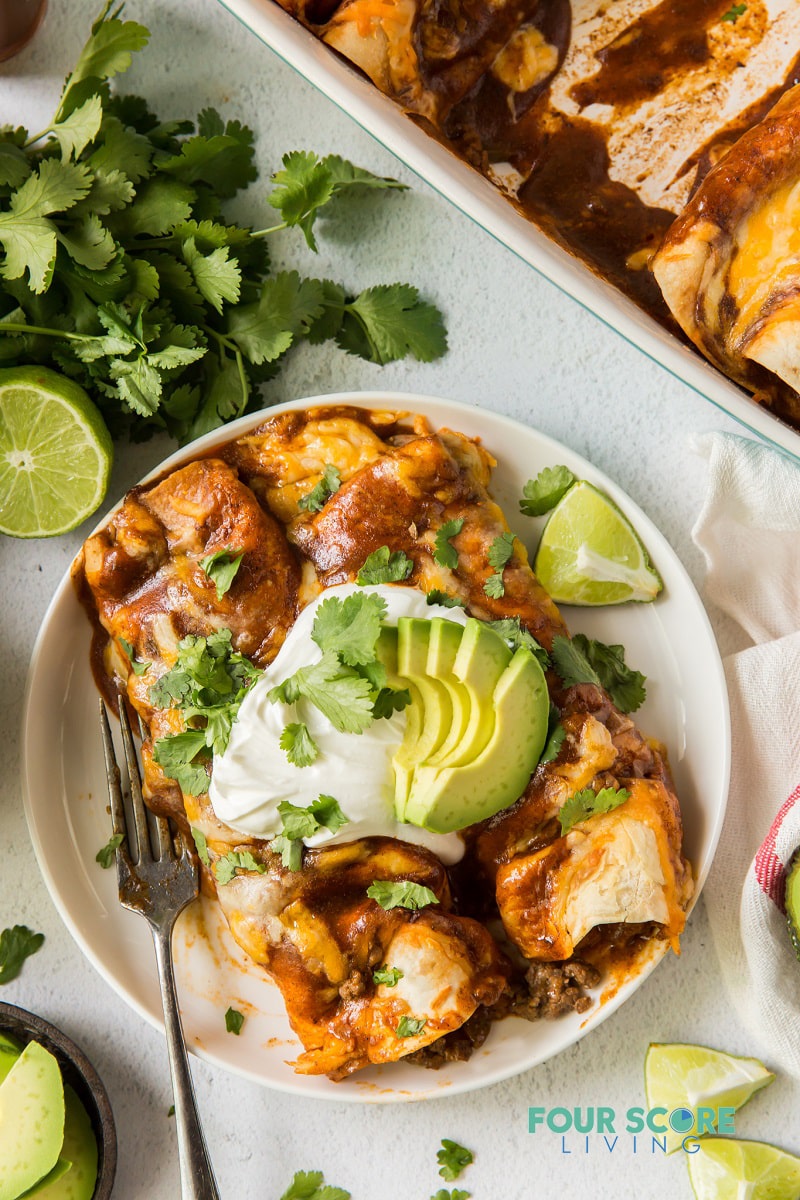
[{"x": 770, "y": 871}]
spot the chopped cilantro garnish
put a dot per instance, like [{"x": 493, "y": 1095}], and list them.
[
  {"x": 541, "y": 494},
  {"x": 221, "y": 568},
  {"x": 555, "y": 741},
  {"x": 207, "y": 684},
  {"x": 317, "y": 498},
  {"x": 171, "y": 1110},
  {"x": 444, "y": 553},
  {"x": 410, "y": 1026},
  {"x": 310, "y": 1185},
  {"x": 385, "y": 566},
  {"x": 400, "y": 893},
  {"x": 388, "y": 976},
  {"x": 236, "y": 860},
  {"x": 105, "y": 856},
  {"x": 17, "y": 944},
  {"x": 139, "y": 668},
  {"x": 498, "y": 554},
  {"x": 201, "y": 846},
  {"x": 453, "y": 1194},
  {"x": 435, "y": 596},
  {"x": 586, "y": 803},
  {"x": 510, "y": 629},
  {"x": 389, "y": 701},
  {"x": 301, "y": 749},
  {"x": 350, "y": 627},
  {"x": 343, "y": 695},
  {"x": 234, "y": 1020},
  {"x": 453, "y": 1159},
  {"x": 300, "y": 823},
  {"x": 583, "y": 660},
  {"x": 734, "y": 12}
]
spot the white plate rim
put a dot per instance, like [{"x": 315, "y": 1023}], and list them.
[{"x": 408, "y": 403}]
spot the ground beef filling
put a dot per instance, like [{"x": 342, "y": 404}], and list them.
[{"x": 543, "y": 990}]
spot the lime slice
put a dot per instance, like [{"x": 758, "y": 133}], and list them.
[
  {"x": 590, "y": 554},
  {"x": 730, "y": 1169},
  {"x": 55, "y": 453},
  {"x": 684, "y": 1079}
]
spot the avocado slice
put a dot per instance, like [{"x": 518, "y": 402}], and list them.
[
  {"x": 445, "y": 642},
  {"x": 793, "y": 901},
  {"x": 430, "y": 713},
  {"x": 31, "y": 1120},
  {"x": 80, "y": 1149},
  {"x": 482, "y": 658},
  {"x": 454, "y": 797}
]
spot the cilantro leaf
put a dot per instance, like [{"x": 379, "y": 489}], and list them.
[
  {"x": 221, "y": 568},
  {"x": 511, "y": 630},
  {"x": 734, "y": 12},
  {"x": 584, "y": 660},
  {"x": 501, "y": 550},
  {"x": 410, "y": 1026},
  {"x": 383, "y": 566},
  {"x": 108, "y": 50},
  {"x": 453, "y": 1159},
  {"x": 175, "y": 754},
  {"x": 139, "y": 668},
  {"x": 17, "y": 944},
  {"x": 400, "y": 893},
  {"x": 388, "y": 976},
  {"x": 301, "y": 749},
  {"x": 435, "y": 596},
  {"x": 290, "y": 850},
  {"x": 541, "y": 494},
  {"x": 286, "y": 309},
  {"x": 234, "y": 1020},
  {"x": 389, "y": 701},
  {"x": 321, "y": 493},
  {"x": 338, "y": 691},
  {"x": 201, "y": 845},
  {"x": 586, "y": 803},
  {"x": 350, "y": 627},
  {"x": 76, "y": 131},
  {"x": 236, "y": 860},
  {"x": 218, "y": 277},
  {"x": 388, "y": 322},
  {"x": 28, "y": 238},
  {"x": 444, "y": 553},
  {"x": 300, "y": 823},
  {"x": 106, "y": 854},
  {"x": 307, "y": 183},
  {"x": 555, "y": 741},
  {"x": 310, "y": 1185},
  {"x": 494, "y": 586},
  {"x": 453, "y": 1194}
]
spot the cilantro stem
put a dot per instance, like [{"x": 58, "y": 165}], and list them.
[
  {"x": 46, "y": 331},
  {"x": 242, "y": 381},
  {"x": 257, "y": 233},
  {"x": 37, "y": 137}
]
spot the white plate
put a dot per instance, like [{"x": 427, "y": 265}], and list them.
[
  {"x": 354, "y": 94},
  {"x": 65, "y": 796}
]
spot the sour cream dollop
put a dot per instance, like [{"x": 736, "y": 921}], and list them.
[{"x": 253, "y": 776}]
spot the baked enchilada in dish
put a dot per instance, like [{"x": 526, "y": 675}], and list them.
[
  {"x": 599, "y": 122},
  {"x": 348, "y": 680}
]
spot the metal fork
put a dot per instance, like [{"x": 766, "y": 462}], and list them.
[{"x": 157, "y": 882}]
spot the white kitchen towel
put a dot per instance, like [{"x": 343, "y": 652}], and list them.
[{"x": 749, "y": 532}]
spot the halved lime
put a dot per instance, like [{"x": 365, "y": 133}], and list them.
[
  {"x": 684, "y": 1078},
  {"x": 793, "y": 901},
  {"x": 55, "y": 453},
  {"x": 590, "y": 553},
  {"x": 731, "y": 1169}
]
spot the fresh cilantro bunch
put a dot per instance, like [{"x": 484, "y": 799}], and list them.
[
  {"x": 120, "y": 269},
  {"x": 207, "y": 684},
  {"x": 585, "y": 660}
]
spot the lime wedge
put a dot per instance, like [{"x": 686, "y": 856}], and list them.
[
  {"x": 683, "y": 1079},
  {"x": 590, "y": 553},
  {"x": 55, "y": 453},
  {"x": 730, "y": 1169}
]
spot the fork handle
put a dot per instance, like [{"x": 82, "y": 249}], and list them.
[{"x": 197, "y": 1177}]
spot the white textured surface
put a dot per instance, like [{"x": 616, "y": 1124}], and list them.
[{"x": 521, "y": 348}]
